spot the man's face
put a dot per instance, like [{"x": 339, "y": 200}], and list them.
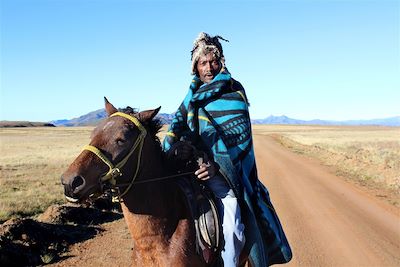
[{"x": 208, "y": 67}]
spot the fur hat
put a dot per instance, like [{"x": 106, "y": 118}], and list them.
[{"x": 205, "y": 44}]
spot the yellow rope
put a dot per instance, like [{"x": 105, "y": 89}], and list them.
[
  {"x": 100, "y": 155},
  {"x": 136, "y": 172},
  {"x": 132, "y": 119},
  {"x": 114, "y": 171}
]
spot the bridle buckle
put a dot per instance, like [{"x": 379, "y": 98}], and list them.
[{"x": 115, "y": 173}]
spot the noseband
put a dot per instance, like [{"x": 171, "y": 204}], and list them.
[{"x": 115, "y": 170}]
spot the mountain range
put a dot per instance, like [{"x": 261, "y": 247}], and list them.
[
  {"x": 92, "y": 118},
  {"x": 392, "y": 121}
]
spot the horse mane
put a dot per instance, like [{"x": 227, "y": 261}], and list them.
[{"x": 153, "y": 127}]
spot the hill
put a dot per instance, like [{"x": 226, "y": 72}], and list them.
[
  {"x": 393, "y": 121},
  {"x": 8, "y": 124},
  {"x": 94, "y": 117}
]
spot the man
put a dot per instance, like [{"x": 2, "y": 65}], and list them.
[{"x": 214, "y": 118}]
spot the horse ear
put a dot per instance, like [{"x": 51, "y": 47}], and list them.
[
  {"x": 110, "y": 109},
  {"x": 148, "y": 115}
]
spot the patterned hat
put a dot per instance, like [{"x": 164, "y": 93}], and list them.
[{"x": 205, "y": 44}]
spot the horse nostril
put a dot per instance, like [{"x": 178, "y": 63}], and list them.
[{"x": 77, "y": 181}]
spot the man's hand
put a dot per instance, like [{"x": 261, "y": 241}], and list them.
[
  {"x": 182, "y": 151},
  {"x": 182, "y": 156},
  {"x": 206, "y": 170}
]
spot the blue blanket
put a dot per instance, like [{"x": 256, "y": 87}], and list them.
[{"x": 215, "y": 118}]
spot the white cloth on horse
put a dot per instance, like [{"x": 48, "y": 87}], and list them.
[{"x": 232, "y": 227}]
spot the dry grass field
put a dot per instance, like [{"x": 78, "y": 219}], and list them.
[
  {"x": 31, "y": 162},
  {"x": 32, "y": 159}
]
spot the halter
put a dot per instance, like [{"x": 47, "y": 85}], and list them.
[{"x": 115, "y": 170}]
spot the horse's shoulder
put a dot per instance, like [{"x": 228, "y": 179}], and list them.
[{"x": 205, "y": 216}]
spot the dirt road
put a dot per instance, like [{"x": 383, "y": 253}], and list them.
[{"x": 328, "y": 221}]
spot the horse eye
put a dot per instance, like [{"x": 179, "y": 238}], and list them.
[{"x": 120, "y": 142}]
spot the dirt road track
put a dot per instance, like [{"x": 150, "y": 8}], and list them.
[{"x": 328, "y": 221}]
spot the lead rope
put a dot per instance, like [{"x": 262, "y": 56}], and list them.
[
  {"x": 115, "y": 190},
  {"x": 159, "y": 178},
  {"x": 137, "y": 169}
]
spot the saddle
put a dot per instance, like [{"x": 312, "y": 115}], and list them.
[
  {"x": 200, "y": 200},
  {"x": 204, "y": 211}
]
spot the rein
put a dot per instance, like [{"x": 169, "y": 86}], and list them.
[{"x": 159, "y": 178}]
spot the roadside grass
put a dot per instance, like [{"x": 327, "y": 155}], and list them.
[
  {"x": 31, "y": 163},
  {"x": 369, "y": 155}
]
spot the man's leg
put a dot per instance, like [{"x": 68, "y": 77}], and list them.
[
  {"x": 233, "y": 230},
  {"x": 232, "y": 227}
]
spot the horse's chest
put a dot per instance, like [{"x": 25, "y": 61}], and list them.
[{"x": 157, "y": 250}]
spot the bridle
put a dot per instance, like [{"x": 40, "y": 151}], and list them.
[{"x": 114, "y": 171}]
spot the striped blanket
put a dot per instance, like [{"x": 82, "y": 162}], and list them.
[{"x": 215, "y": 118}]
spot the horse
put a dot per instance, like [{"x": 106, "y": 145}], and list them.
[{"x": 124, "y": 151}]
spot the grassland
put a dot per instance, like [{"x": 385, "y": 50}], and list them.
[
  {"x": 32, "y": 159},
  {"x": 31, "y": 163}
]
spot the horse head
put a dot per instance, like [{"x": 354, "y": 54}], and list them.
[{"x": 115, "y": 141}]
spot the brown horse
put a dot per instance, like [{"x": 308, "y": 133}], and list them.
[
  {"x": 156, "y": 214},
  {"x": 124, "y": 149}
]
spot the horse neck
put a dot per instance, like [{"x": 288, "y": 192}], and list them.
[{"x": 149, "y": 207}]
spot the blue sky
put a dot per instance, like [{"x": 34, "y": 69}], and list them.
[{"x": 306, "y": 59}]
